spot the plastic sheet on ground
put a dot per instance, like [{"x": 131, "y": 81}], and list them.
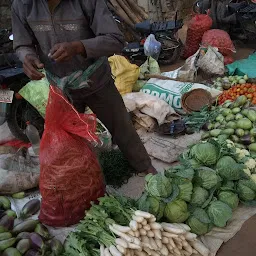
[{"x": 5, "y": 134}]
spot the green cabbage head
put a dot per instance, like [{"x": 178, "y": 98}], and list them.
[
  {"x": 206, "y": 178},
  {"x": 199, "y": 222},
  {"x": 199, "y": 196},
  {"x": 185, "y": 188},
  {"x": 152, "y": 205},
  {"x": 229, "y": 169},
  {"x": 206, "y": 153},
  {"x": 158, "y": 185},
  {"x": 245, "y": 189},
  {"x": 176, "y": 211},
  {"x": 219, "y": 213},
  {"x": 229, "y": 198}
]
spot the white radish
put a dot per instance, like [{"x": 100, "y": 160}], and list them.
[
  {"x": 123, "y": 229},
  {"x": 121, "y": 249},
  {"x": 167, "y": 234},
  {"x": 137, "y": 233},
  {"x": 177, "y": 252},
  {"x": 134, "y": 225},
  {"x": 150, "y": 233},
  {"x": 143, "y": 232},
  {"x": 106, "y": 252},
  {"x": 157, "y": 233},
  {"x": 134, "y": 246},
  {"x": 143, "y": 214},
  {"x": 144, "y": 222},
  {"x": 146, "y": 242},
  {"x": 156, "y": 226},
  {"x": 128, "y": 252},
  {"x": 185, "y": 253},
  {"x": 195, "y": 251},
  {"x": 199, "y": 246},
  {"x": 121, "y": 242},
  {"x": 122, "y": 235},
  {"x": 159, "y": 243},
  {"x": 173, "y": 229},
  {"x": 140, "y": 226},
  {"x": 140, "y": 253},
  {"x": 138, "y": 218},
  {"x": 190, "y": 236},
  {"x": 188, "y": 248},
  {"x": 185, "y": 226},
  {"x": 169, "y": 247},
  {"x": 154, "y": 253},
  {"x": 164, "y": 251},
  {"x": 113, "y": 250},
  {"x": 153, "y": 244},
  {"x": 148, "y": 251},
  {"x": 131, "y": 233},
  {"x": 182, "y": 238},
  {"x": 171, "y": 242},
  {"x": 102, "y": 248},
  {"x": 165, "y": 240},
  {"x": 136, "y": 241},
  {"x": 152, "y": 219},
  {"x": 147, "y": 227}
]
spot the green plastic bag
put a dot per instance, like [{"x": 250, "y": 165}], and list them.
[
  {"x": 37, "y": 93},
  {"x": 243, "y": 67}
]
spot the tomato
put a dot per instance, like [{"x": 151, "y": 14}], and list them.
[{"x": 249, "y": 96}]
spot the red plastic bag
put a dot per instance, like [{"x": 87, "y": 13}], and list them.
[
  {"x": 196, "y": 28},
  {"x": 220, "y": 39},
  {"x": 70, "y": 175},
  {"x": 228, "y": 60}
]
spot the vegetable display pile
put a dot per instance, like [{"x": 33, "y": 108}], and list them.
[
  {"x": 235, "y": 122},
  {"x": 204, "y": 190},
  {"x": 25, "y": 236},
  {"x": 116, "y": 228},
  {"x": 225, "y": 83},
  {"x": 247, "y": 89}
]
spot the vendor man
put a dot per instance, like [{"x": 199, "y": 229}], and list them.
[{"x": 66, "y": 37}]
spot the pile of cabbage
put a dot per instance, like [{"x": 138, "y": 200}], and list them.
[{"x": 212, "y": 179}]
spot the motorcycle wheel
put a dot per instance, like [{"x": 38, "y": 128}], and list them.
[
  {"x": 20, "y": 113},
  {"x": 196, "y": 7},
  {"x": 169, "y": 57}
]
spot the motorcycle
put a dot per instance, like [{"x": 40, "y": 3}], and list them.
[
  {"x": 165, "y": 32},
  {"x": 238, "y": 18},
  {"x": 15, "y": 110}
]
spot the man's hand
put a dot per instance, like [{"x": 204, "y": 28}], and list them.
[
  {"x": 31, "y": 65},
  {"x": 66, "y": 51}
]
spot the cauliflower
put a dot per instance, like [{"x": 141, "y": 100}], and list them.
[
  {"x": 250, "y": 164},
  {"x": 242, "y": 153},
  {"x": 230, "y": 144},
  {"x": 253, "y": 177},
  {"x": 247, "y": 171}
]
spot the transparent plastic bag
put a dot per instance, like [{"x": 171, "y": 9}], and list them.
[{"x": 152, "y": 47}]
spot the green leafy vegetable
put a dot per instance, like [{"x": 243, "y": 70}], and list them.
[
  {"x": 229, "y": 169},
  {"x": 176, "y": 211},
  {"x": 158, "y": 185},
  {"x": 152, "y": 205},
  {"x": 206, "y": 178},
  {"x": 206, "y": 153},
  {"x": 219, "y": 213},
  {"x": 245, "y": 190},
  {"x": 185, "y": 188},
  {"x": 199, "y": 196},
  {"x": 229, "y": 198},
  {"x": 199, "y": 222}
]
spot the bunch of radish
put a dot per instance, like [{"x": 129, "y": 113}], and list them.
[{"x": 144, "y": 236}]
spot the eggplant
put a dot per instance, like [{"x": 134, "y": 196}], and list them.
[
  {"x": 25, "y": 226},
  {"x": 23, "y": 235},
  {"x": 23, "y": 246},
  {"x": 37, "y": 242},
  {"x": 5, "y": 236},
  {"x": 7, "y": 222},
  {"x": 30, "y": 208},
  {"x": 42, "y": 231},
  {"x": 11, "y": 252},
  {"x": 2, "y": 213},
  {"x": 57, "y": 247},
  {"x": 33, "y": 253},
  {"x": 247, "y": 139},
  {"x": 7, "y": 243}
]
